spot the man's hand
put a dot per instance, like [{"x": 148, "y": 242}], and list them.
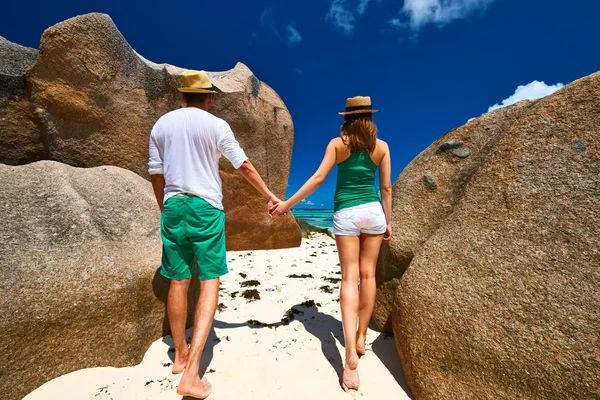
[
  {"x": 272, "y": 203},
  {"x": 158, "y": 185},
  {"x": 388, "y": 233},
  {"x": 280, "y": 209}
]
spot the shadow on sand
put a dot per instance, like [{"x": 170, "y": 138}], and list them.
[
  {"x": 211, "y": 342},
  {"x": 384, "y": 347},
  {"x": 327, "y": 329}
]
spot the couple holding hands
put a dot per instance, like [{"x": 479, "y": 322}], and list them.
[{"x": 185, "y": 146}]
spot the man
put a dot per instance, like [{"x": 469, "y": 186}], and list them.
[{"x": 185, "y": 146}]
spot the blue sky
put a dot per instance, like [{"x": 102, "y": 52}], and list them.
[{"x": 429, "y": 65}]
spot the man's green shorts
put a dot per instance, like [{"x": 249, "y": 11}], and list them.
[{"x": 190, "y": 227}]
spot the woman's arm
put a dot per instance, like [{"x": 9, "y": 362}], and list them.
[
  {"x": 311, "y": 184},
  {"x": 385, "y": 183}
]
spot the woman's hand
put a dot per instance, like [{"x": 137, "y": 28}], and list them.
[
  {"x": 280, "y": 209},
  {"x": 388, "y": 233}
]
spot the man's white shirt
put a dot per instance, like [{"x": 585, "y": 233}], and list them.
[{"x": 185, "y": 146}]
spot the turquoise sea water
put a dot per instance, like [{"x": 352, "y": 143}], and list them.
[{"x": 318, "y": 218}]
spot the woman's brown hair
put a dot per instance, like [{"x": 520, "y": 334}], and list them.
[{"x": 359, "y": 132}]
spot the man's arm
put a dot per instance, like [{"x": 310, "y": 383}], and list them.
[
  {"x": 231, "y": 149},
  {"x": 155, "y": 169},
  {"x": 158, "y": 184},
  {"x": 250, "y": 173}
]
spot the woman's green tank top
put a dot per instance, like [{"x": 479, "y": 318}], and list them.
[{"x": 355, "y": 181}]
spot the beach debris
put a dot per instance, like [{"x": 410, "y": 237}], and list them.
[
  {"x": 326, "y": 289},
  {"x": 167, "y": 364},
  {"x": 255, "y": 322},
  {"x": 221, "y": 307},
  {"x": 103, "y": 390},
  {"x": 227, "y": 338},
  {"x": 270, "y": 289},
  {"x": 296, "y": 276},
  {"x": 211, "y": 371},
  {"x": 308, "y": 262},
  {"x": 149, "y": 382},
  {"x": 293, "y": 265},
  {"x": 234, "y": 294},
  {"x": 309, "y": 304},
  {"x": 250, "y": 283},
  {"x": 243, "y": 275},
  {"x": 331, "y": 280},
  {"x": 251, "y": 295}
]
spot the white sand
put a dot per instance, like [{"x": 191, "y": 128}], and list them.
[{"x": 302, "y": 360}]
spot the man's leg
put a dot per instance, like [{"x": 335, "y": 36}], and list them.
[
  {"x": 177, "y": 311},
  {"x": 191, "y": 384}
]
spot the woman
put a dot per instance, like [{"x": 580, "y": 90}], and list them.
[{"x": 360, "y": 223}]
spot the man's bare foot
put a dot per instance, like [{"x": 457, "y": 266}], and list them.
[
  {"x": 350, "y": 379},
  {"x": 180, "y": 361},
  {"x": 361, "y": 344},
  {"x": 193, "y": 386}
]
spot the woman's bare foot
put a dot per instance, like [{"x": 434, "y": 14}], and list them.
[
  {"x": 193, "y": 386},
  {"x": 180, "y": 361},
  {"x": 350, "y": 379},
  {"x": 361, "y": 344}
]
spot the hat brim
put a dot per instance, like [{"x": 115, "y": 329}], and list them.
[
  {"x": 358, "y": 112},
  {"x": 190, "y": 90}
]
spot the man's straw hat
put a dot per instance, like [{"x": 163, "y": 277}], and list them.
[
  {"x": 358, "y": 105},
  {"x": 196, "y": 82}
]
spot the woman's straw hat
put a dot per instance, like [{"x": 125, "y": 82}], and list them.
[
  {"x": 196, "y": 82},
  {"x": 358, "y": 105}
]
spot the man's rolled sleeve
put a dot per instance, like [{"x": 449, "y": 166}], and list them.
[
  {"x": 155, "y": 163},
  {"x": 230, "y": 148}
]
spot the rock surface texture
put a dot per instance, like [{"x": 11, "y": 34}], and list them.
[
  {"x": 499, "y": 263},
  {"x": 78, "y": 272},
  {"x": 20, "y": 138},
  {"x": 93, "y": 101}
]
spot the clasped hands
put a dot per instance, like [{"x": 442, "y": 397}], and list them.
[{"x": 277, "y": 208}]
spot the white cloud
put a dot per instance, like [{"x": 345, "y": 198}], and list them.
[
  {"x": 266, "y": 19},
  {"x": 307, "y": 202},
  {"x": 341, "y": 17},
  {"x": 362, "y": 6},
  {"x": 438, "y": 12},
  {"x": 531, "y": 91},
  {"x": 293, "y": 36}
]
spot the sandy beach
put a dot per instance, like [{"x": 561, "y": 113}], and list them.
[{"x": 286, "y": 344}]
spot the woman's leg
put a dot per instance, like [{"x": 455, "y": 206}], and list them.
[
  {"x": 369, "y": 252},
  {"x": 349, "y": 250}
]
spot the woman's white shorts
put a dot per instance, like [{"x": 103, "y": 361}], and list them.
[{"x": 365, "y": 218}]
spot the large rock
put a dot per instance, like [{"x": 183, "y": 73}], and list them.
[
  {"x": 78, "y": 272},
  {"x": 263, "y": 126},
  {"x": 96, "y": 100},
  {"x": 20, "y": 139},
  {"x": 501, "y": 295}
]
